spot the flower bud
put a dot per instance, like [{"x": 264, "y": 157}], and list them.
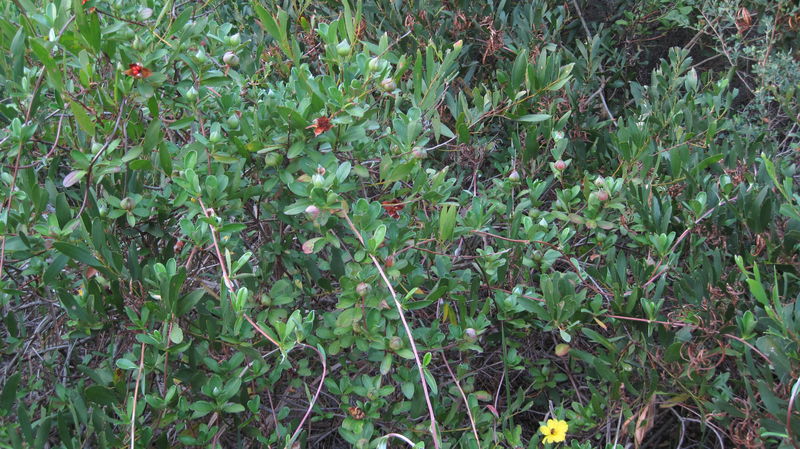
[
  {"x": 562, "y": 349},
  {"x": 190, "y": 94},
  {"x": 560, "y": 165},
  {"x": 602, "y": 195},
  {"x": 388, "y": 85},
  {"x": 375, "y": 63},
  {"x": 215, "y": 137},
  {"x": 312, "y": 211},
  {"x": 200, "y": 57},
  {"x": 513, "y": 176},
  {"x": 419, "y": 153},
  {"x": 343, "y": 49},
  {"x": 600, "y": 181},
  {"x": 230, "y": 59},
  {"x": 396, "y": 343},
  {"x": 317, "y": 180},
  {"x": 127, "y": 203},
  {"x": 233, "y": 121},
  {"x": 470, "y": 335},
  {"x": 320, "y": 170},
  {"x": 363, "y": 289},
  {"x": 234, "y": 40}
]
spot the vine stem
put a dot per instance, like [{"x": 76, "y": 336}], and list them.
[{"x": 406, "y": 327}]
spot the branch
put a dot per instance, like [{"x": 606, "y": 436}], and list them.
[{"x": 405, "y": 326}]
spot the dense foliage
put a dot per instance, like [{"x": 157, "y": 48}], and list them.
[{"x": 448, "y": 224}]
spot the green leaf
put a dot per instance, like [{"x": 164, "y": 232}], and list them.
[
  {"x": 78, "y": 254},
  {"x": 83, "y": 119},
  {"x": 231, "y": 407},
  {"x": 9, "y": 394},
  {"x": 101, "y": 395},
  {"x": 707, "y": 162},
  {"x": 152, "y": 136},
  {"x": 126, "y": 364},
  {"x": 447, "y": 222},
  {"x": 534, "y": 118},
  {"x": 176, "y": 335},
  {"x": 462, "y": 128},
  {"x": 165, "y": 159}
]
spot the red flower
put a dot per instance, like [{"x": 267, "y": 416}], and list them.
[
  {"x": 321, "y": 125},
  {"x": 393, "y": 208},
  {"x": 138, "y": 71}
]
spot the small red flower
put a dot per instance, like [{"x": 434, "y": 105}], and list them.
[
  {"x": 393, "y": 208},
  {"x": 138, "y": 71},
  {"x": 321, "y": 125}
]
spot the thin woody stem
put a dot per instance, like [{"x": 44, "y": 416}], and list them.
[{"x": 407, "y": 328}]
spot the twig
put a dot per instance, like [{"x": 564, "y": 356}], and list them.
[
  {"x": 100, "y": 152},
  {"x": 407, "y": 328},
  {"x": 600, "y": 67},
  {"x": 209, "y": 213},
  {"x": 683, "y": 235},
  {"x": 727, "y": 54},
  {"x": 28, "y": 112},
  {"x": 464, "y": 397},
  {"x": 399, "y": 437},
  {"x": 136, "y": 395}
]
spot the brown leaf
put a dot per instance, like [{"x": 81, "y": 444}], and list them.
[{"x": 644, "y": 422}]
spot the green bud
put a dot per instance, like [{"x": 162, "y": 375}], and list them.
[
  {"x": 230, "y": 59},
  {"x": 127, "y": 203},
  {"x": 273, "y": 159},
  {"x": 388, "y": 85},
  {"x": 343, "y": 49},
  {"x": 190, "y": 94}
]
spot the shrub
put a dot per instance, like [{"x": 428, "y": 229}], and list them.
[{"x": 441, "y": 224}]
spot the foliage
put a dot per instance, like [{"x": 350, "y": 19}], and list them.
[{"x": 441, "y": 224}]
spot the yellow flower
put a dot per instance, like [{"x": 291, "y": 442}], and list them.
[{"x": 555, "y": 431}]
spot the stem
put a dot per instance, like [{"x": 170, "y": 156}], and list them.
[{"x": 407, "y": 328}]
